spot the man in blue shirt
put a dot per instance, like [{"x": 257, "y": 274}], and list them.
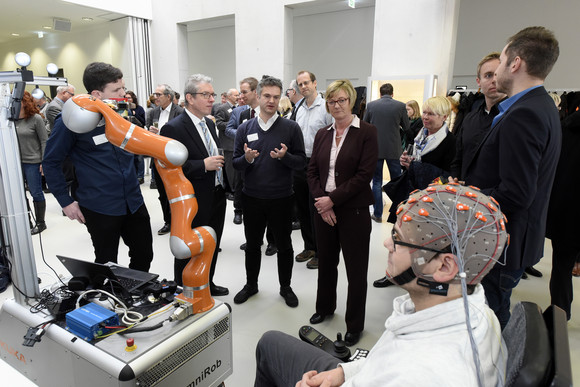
[
  {"x": 108, "y": 199},
  {"x": 516, "y": 160}
]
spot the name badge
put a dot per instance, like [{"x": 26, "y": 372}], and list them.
[
  {"x": 245, "y": 119},
  {"x": 230, "y": 110},
  {"x": 252, "y": 137},
  {"x": 100, "y": 139}
]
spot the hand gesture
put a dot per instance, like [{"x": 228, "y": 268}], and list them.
[
  {"x": 279, "y": 153},
  {"x": 250, "y": 154}
]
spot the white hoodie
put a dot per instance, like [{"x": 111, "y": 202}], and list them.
[{"x": 432, "y": 347}]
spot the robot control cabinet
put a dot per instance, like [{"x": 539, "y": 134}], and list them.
[{"x": 193, "y": 345}]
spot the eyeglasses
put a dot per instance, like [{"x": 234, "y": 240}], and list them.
[
  {"x": 71, "y": 94},
  {"x": 340, "y": 101},
  {"x": 157, "y": 95},
  {"x": 397, "y": 241},
  {"x": 206, "y": 95}
]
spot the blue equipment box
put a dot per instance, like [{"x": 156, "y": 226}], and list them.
[{"x": 88, "y": 321}]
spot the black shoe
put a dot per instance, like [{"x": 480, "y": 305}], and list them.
[
  {"x": 243, "y": 246},
  {"x": 524, "y": 275},
  {"x": 164, "y": 230},
  {"x": 40, "y": 227},
  {"x": 153, "y": 185},
  {"x": 352, "y": 338},
  {"x": 305, "y": 255},
  {"x": 216, "y": 290},
  {"x": 219, "y": 249},
  {"x": 382, "y": 283},
  {"x": 229, "y": 196},
  {"x": 533, "y": 272},
  {"x": 289, "y": 296},
  {"x": 317, "y": 318},
  {"x": 312, "y": 264},
  {"x": 237, "y": 218},
  {"x": 377, "y": 219},
  {"x": 141, "y": 180},
  {"x": 271, "y": 250},
  {"x": 296, "y": 225},
  {"x": 243, "y": 295}
]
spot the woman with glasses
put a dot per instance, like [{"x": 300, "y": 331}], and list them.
[
  {"x": 32, "y": 138},
  {"x": 344, "y": 158}
]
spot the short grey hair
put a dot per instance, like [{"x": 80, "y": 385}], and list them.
[
  {"x": 269, "y": 81},
  {"x": 167, "y": 90},
  {"x": 294, "y": 85},
  {"x": 193, "y": 82},
  {"x": 62, "y": 89}
]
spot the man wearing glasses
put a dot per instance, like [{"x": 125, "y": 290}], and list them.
[
  {"x": 164, "y": 111},
  {"x": 310, "y": 113},
  {"x": 427, "y": 340},
  {"x": 204, "y": 165},
  {"x": 63, "y": 93}
]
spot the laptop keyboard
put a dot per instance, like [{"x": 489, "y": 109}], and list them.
[{"x": 129, "y": 283}]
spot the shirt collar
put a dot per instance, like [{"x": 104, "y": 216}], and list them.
[
  {"x": 355, "y": 122},
  {"x": 505, "y": 105},
  {"x": 193, "y": 117},
  {"x": 168, "y": 108},
  {"x": 266, "y": 125}
]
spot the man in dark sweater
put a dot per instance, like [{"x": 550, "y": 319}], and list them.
[{"x": 268, "y": 149}]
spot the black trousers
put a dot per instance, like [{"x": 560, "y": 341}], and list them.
[
  {"x": 277, "y": 215},
  {"x": 165, "y": 207},
  {"x": 564, "y": 255},
  {"x": 135, "y": 229},
  {"x": 215, "y": 221},
  {"x": 351, "y": 234},
  {"x": 305, "y": 208}
]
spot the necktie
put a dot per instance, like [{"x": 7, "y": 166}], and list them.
[
  {"x": 252, "y": 113},
  {"x": 211, "y": 149}
]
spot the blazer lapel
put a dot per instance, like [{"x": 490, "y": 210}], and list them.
[{"x": 194, "y": 134}]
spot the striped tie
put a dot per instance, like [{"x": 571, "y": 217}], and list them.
[{"x": 211, "y": 149}]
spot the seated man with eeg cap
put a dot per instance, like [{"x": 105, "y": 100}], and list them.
[{"x": 446, "y": 238}]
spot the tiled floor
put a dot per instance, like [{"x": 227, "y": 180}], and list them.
[{"x": 267, "y": 309}]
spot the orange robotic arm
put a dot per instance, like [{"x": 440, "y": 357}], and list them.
[{"x": 82, "y": 113}]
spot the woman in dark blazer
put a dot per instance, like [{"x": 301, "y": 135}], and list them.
[{"x": 344, "y": 158}]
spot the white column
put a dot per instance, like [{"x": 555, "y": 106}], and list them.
[{"x": 414, "y": 38}]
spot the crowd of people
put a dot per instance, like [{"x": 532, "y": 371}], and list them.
[{"x": 283, "y": 154}]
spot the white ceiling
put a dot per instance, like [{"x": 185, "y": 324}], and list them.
[{"x": 27, "y": 17}]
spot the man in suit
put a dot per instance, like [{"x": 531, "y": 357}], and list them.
[
  {"x": 63, "y": 93},
  {"x": 164, "y": 111},
  {"x": 268, "y": 149},
  {"x": 222, "y": 117},
  {"x": 517, "y": 159},
  {"x": 249, "y": 99},
  {"x": 203, "y": 167},
  {"x": 389, "y": 116}
]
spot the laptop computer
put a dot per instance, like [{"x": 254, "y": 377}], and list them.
[{"x": 96, "y": 273}]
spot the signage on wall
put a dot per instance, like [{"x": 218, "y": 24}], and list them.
[{"x": 351, "y": 3}]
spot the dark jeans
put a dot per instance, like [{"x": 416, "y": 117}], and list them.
[
  {"x": 135, "y": 229},
  {"x": 395, "y": 171},
  {"x": 34, "y": 179},
  {"x": 498, "y": 285},
  {"x": 305, "y": 207},
  {"x": 238, "y": 186},
  {"x": 277, "y": 215},
  {"x": 564, "y": 255},
  {"x": 281, "y": 360}
]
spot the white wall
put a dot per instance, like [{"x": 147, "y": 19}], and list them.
[
  {"x": 212, "y": 52},
  {"x": 334, "y": 45},
  {"x": 484, "y": 26},
  {"x": 74, "y": 51}
]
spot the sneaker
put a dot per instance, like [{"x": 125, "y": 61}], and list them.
[
  {"x": 289, "y": 296},
  {"x": 305, "y": 255},
  {"x": 313, "y": 263},
  {"x": 243, "y": 295}
]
